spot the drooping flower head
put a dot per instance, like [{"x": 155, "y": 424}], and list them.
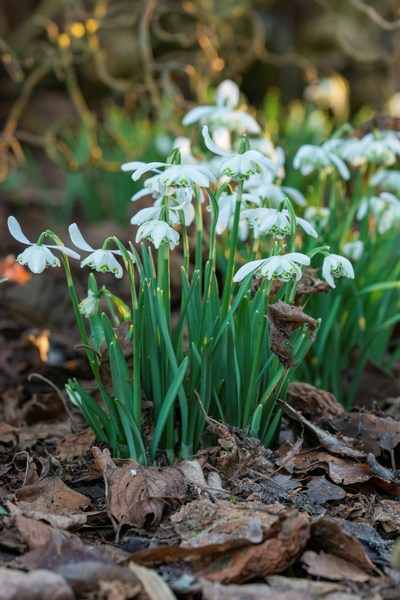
[
  {"x": 270, "y": 220},
  {"x": 173, "y": 177},
  {"x": 38, "y": 256},
  {"x": 311, "y": 158},
  {"x": 354, "y": 250},
  {"x": 336, "y": 266},
  {"x": 224, "y": 113},
  {"x": 241, "y": 166},
  {"x": 102, "y": 259},
  {"x": 281, "y": 267},
  {"x": 158, "y": 232},
  {"x": 89, "y": 307},
  {"x": 274, "y": 192}
]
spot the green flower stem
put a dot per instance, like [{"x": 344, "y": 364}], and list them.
[
  {"x": 185, "y": 243},
  {"x": 321, "y": 187},
  {"x": 256, "y": 358},
  {"x": 199, "y": 231},
  {"x": 232, "y": 253},
  {"x": 166, "y": 288},
  {"x": 256, "y": 243}
]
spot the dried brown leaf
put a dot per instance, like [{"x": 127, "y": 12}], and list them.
[
  {"x": 314, "y": 403},
  {"x": 137, "y": 495},
  {"x": 152, "y": 583},
  {"x": 387, "y": 513},
  {"x": 75, "y": 444},
  {"x": 272, "y": 556},
  {"x": 333, "y": 567},
  {"x": 51, "y": 495},
  {"x": 319, "y": 491},
  {"x": 283, "y": 320},
  {"x": 36, "y": 533},
  {"x": 339, "y": 445},
  {"x": 330, "y": 535},
  {"x": 376, "y": 433}
]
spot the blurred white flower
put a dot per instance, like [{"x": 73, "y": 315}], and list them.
[
  {"x": 378, "y": 150},
  {"x": 336, "y": 266},
  {"x": 378, "y": 205},
  {"x": 389, "y": 181},
  {"x": 174, "y": 176},
  {"x": 275, "y": 267},
  {"x": 274, "y": 192},
  {"x": 37, "y": 257},
  {"x": 317, "y": 216},
  {"x": 224, "y": 113},
  {"x": 90, "y": 305},
  {"x": 354, "y": 250},
  {"x": 269, "y": 220},
  {"x": 101, "y": 260},
  {"x": 158, "y": 232},
  {"x": 240, "y": 166},
  {"x": 227, "y": 205},
  {"x": 314, "y": 158}
]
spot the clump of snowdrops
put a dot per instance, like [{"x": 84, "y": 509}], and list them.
[
  {"x": 219, "y": 352},
  {"x": 354, "y": 204}
]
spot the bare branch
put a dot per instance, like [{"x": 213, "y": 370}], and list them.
[{"x": 375, "y": 16}]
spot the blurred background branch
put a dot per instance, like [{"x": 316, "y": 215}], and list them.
[{"x": 87, "y": 84}]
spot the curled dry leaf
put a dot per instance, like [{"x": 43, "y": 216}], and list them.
[
  {"x": 283, "y": 320},
  {"x": 56, "y": 521},
  {"x": 205, "y": 518},
  {"x": 338, "y": 445},
  {"x": 314, "y": 403},
  {"x": 152, "y": 583},
  {"x": 75, "y": 444},
  {"x": 329, "y": 534},
  {"x": 272, "y": 556},
  {"x": 137, "y": 495},
  {"x": 38, "y": 585},
  {"x": 51, "y": 495},
  {"x": 36, "y": 533},
  {"x": 332, "y": 567},
  {"x": 376, "y": 433}
]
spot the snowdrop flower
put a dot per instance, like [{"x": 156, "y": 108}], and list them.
[
  {"x": 222, "y": 137},
  {"x": 101, "y": 260},
  {"x": 274, "y": 192},
  {"x": 37, "y": 256},
  {"x": 153, "y": 214},
  {"x": 227, "y": 205},
  {"x": 354, "y": 250},
  {"x": 174, "y": 176},
  {"x": 336, "y": 266},
  {"x": 281, "y": 267},
  {"x": 378, "y": 205},
  {"x": 389, "y": 181},
  {"x": 240, "y": 166},
  {"x": 152, "y": 187},
  {"x": 224, "y": 113},
  {"x": 317, "y": 216},
  {"x": 277, "y": 155},
  {"x": 269, "y": 220},
  {"x": 90, "y": 305},
  {"x": 158, "y": 232},
  {"x": 358, "y": 152},
  {"x": 311, "y": 158}
]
